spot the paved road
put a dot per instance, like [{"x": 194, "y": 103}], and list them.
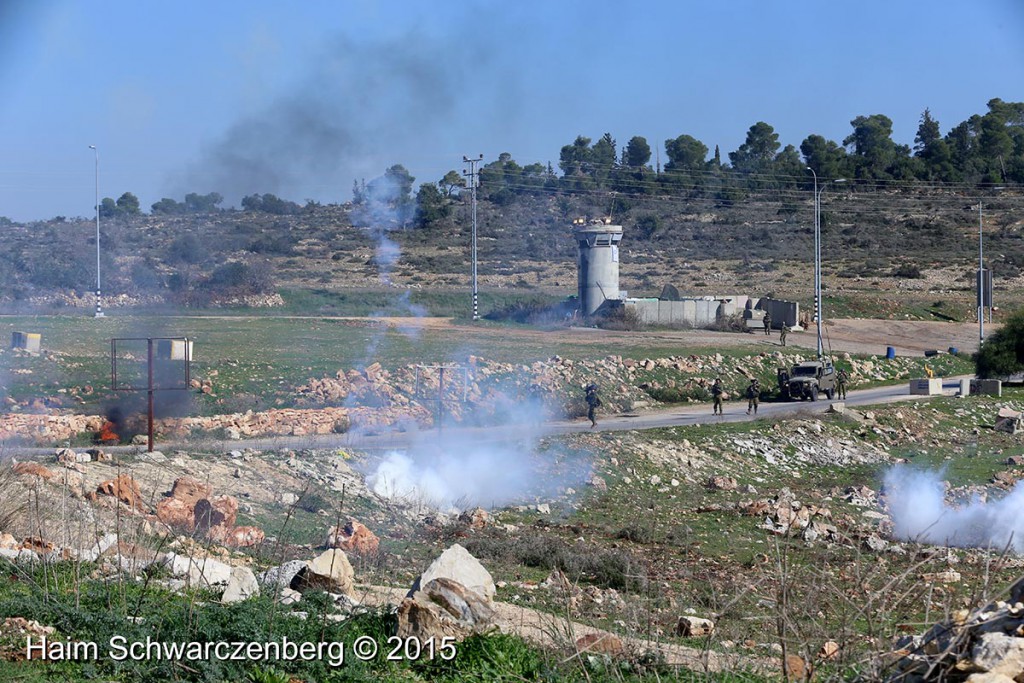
[{"x": 735, "y": 411}]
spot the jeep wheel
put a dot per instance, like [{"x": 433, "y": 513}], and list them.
[
  {"x": 830, "y": 393},
  {"x": 814, "y": 394}
]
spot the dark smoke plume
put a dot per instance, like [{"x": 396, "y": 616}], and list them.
[{"x": 359, "y": 104}]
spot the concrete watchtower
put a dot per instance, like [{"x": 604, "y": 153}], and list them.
[{"x": 598, "y": 264}]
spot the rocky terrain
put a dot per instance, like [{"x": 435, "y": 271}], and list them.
[
  {"x": 481, "y": 392},
  {"x": 670, "y": 547},
  {"x": 762, "y": 547}
]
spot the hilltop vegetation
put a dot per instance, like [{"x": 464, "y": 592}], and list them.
[{"x": 898, "y": 210}]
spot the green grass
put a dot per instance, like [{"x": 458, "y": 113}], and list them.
[
  {"x": 720, "y": 561},
  {"x": 255, "y": 363},
  {"x": 88, "y": 610},
  {"x": 887, "y": 305}
]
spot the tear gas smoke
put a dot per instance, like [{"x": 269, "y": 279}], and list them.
[
  {"x": 460, "y": 469},
  {"x": 920, "y": 512}
]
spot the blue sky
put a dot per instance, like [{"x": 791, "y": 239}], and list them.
[{"x": 301, "y": 98}]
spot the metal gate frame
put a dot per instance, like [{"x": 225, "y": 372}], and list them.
[{"x": 150, "y": 388}]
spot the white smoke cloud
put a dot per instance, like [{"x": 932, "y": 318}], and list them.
[
  {"x": 462, "y": 468},
  {"x": 920, "y": 512},
  {"x": 451, "y": 479}
]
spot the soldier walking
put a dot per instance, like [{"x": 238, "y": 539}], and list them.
[
  {"x": 783, "y": 333},
  {"x": 753, "y": 396},
  {"x": 841, "y": 378},
  {"x": 716, "y": 396},
  {"x": 593, "y": 403},
  {"x": 768, "y": 323}
]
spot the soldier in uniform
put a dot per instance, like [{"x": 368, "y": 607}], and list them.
[
  {"x": 841, "y": 378},
  {"x": 768, "y": 324},
  {"x": 753, "y": 396},
  {"x": 783, "y": 333},
  {"x": 716, "y": 396},
  {"x": 783, "y": 375},
  {"x": 593, "y": 402}
]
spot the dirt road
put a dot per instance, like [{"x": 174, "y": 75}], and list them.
[{"x": 908, "y": 337}]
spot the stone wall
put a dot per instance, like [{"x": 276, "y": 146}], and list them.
[{"x": 48, "y": 429}]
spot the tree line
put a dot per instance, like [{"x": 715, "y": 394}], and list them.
[
  {"x": 983, "y": 150},
  {"x": 986, "y": 149}
]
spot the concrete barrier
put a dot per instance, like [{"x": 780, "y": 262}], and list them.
[
  {"x": 174, "y": 349},
  {"x": 926, "y": 386},
  {"x": 28, "y": 341},
  {"x": 782, "y": 311},
  {"x": 987, "y": 387}
]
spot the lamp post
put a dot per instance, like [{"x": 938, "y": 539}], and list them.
[
  {"x": 817, "y": 251},
  {"x": 99, "y": 300},
  {"x": 981, "y": 279},
  {"x": 472, "y": 179},
  {"x": 817, "y": 256}
]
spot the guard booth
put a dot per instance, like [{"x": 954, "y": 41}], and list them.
[{"x": 598, "y": 265}]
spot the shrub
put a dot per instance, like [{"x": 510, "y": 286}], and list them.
[
  {"x": 907, "y": 271},
  {"x": 185, "y": 249},
  {"x": 313, "y": 502},
  {"x": 1002, "y": 353},
  {"x": 237, "y": 277},
  {"x": 526, "y": 311},
  {"x": 145, "y": 278},
  {"x": 622, "y": 319},
  {"x": 272, "y": 204},
  {"x": 283, "y": 245},
  {"x": 731, "y": 323},
  {"x": 608, "y": 568},
  {"x": 636, "y": 533}
]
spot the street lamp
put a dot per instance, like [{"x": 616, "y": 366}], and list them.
[
  {"x": 817, "y": 251},
  {"x": 99, "y": 304},
  {"x": 472, "y": 178},
  {"x": 982, "y": 280}
]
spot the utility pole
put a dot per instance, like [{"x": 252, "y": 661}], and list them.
[
  {"x": 981, "y": 279},
  {"x": 817, "y": 258},
  {"x": 472, "y": 173},
  {"x": 99, "y": 299}
]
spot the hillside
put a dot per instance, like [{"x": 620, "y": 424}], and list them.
[
  {"x": 879, "y": 243},
  {"x": 714, "y": 549}
]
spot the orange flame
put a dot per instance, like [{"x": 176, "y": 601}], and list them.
[{"x": 107, "y": 433}]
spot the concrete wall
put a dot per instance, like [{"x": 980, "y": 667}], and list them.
[
  {"x": 705, "y": 311},
  {"x": 782, "y": 311},
  {"x": 684, "y": 313}
]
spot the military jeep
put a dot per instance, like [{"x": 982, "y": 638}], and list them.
[{"x": 808, "y": 379}]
